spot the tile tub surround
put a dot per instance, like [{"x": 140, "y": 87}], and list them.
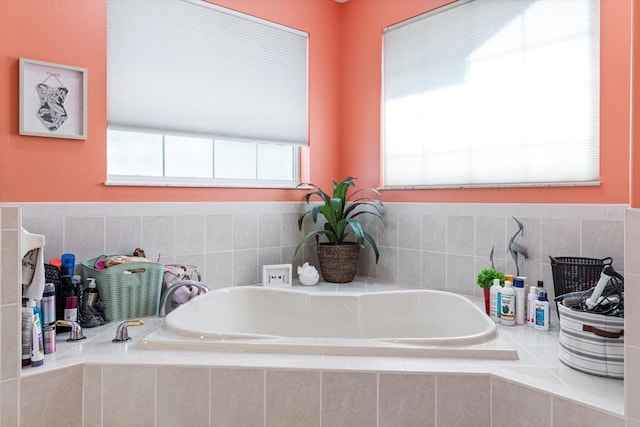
[
  {"x": 44, "y": 214},
  {"x": 280, "y": 390}
]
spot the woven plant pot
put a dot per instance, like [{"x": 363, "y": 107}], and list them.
[{"x": 338, "y": 263}]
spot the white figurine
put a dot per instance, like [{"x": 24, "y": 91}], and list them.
[{"x": 308, "y": 274}]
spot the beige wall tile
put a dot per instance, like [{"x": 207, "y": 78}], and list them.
[
  {"x": 566, "y": 413},
  {"x": 293, "y": 399},
  {"x": 52, "y": 399},
  {"x": 533, "y": 407},
  {"x": 10, "y": 262},
  {"x": 9, "y": 403},
  {"x": 632, "y": 317},
  {"x": 10, "y": 218},
  {"x": 463, "y": 400},
  {"x": 349, "y": 399},
  {"x": 406, "y": 400},
  {"x": 632, "y": 381},
  {"x": 633, "y": 423},
  {"x": 182, "y": 391},
  {"x": 92, "y": 403},
  {"x": 9, "y": 327},
  {"x": 237, "y": 397},
  {"x": 128, "y": 396}
]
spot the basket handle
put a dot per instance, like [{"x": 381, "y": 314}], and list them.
[{"x": 602, "y": 333}]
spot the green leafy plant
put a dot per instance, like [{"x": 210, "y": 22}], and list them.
[
  {"x": 342, "y": 212},
  {"x": 486, "y": 276}
]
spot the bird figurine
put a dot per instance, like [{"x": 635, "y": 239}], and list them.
[{"x": 514, "y": 248}]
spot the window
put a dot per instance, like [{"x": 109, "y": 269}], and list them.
[
  {"x": 202, "y": 95},
  {"x": 484, "y": 93}
]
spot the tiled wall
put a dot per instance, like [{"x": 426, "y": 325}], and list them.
[{"x": 437, "y": 246}]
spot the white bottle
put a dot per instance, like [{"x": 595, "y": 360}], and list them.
[
  {"x": 518, "y": 286},
  {"x": 37, "y": 346},
  {"x": 531, "y": 305},
  {"x": 508, "y": 314},
  {"x": 542, "y": 312},
  {"x": 494, "y": 300}
]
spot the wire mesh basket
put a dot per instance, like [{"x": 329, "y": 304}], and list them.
[{"x": 575, "y": 274}]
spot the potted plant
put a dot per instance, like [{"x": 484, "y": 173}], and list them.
[
  {"x": 485, "y": 281},
  {"x": 343, "y": 231}
]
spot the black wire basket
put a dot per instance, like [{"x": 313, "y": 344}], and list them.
[{"x": 574, "y": 274}]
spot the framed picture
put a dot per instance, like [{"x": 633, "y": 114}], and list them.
[
  {"x": 276, "y": 276},
  {"x": 53, "y": 100}
]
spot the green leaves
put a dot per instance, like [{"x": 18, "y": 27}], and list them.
[
  {"x": 486, "y": 276},
  {"x": 342, "y": 215}
]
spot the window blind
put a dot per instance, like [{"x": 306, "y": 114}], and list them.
[
  {"x": 491, "y": 93},
  {"x": 193, "y": 68}
]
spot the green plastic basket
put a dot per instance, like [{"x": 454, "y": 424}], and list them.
[{"x": 129, "y": 290}]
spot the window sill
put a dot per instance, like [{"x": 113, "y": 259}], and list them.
[{"x": 138, "y": 181}]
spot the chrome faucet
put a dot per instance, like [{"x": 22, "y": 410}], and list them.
[
  {"x": 166, "y": 300},
  {"x": 76, "y": 331},
  {"x": 122, "y": 333}
]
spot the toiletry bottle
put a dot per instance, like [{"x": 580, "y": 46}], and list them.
[
  {"x": 518, "y": 286},
  {"x": 542, "y": 312},
  {"x": 508, "y": 315},
  {"x": 494, "y": 300},
  {"x": 37, "y": 347},
  {"x": 49, "y": 317},
  {"x": 531, "y": 305},
  {"x": 26, "y": 329},
  {"x": 70, "y": 298},
  {"x": 91, "y": 295}
]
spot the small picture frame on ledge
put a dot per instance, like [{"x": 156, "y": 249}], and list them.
[
  {"x": 53, "y": 100},
  {"x": 276, "y": 276}
]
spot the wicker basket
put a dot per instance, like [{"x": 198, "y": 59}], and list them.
[
  {"x": 129, "y": 290},
  {"x": 338, "y": 263},
  {"x": 572, "y": 274}
]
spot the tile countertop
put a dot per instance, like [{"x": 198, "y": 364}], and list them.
[{"x": 538, "y": 365}]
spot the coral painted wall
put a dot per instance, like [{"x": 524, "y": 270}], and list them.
[
  {"x": 361, "y": 88},
  {"x": 344, "y": 80},
  {"x": 74, "y": 32}
]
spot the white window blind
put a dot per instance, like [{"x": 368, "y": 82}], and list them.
[
  {"x": 189, "y": 67},
  {"x": 493, "y": 92}
]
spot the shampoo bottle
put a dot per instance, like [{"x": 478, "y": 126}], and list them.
[
  {"x": 37, "y": 347},
  {"x": 542, "y": 312},
  {"x": 48, "y": 305},
  {"x": 518, "y": 286},
  {"x": 27, "y": 328},
  {"x": 494, "y": 300},
  {"x": 91, "y": 295},
  {"x": 531, "y": 305},
  {"x": 508, "y": 301}
]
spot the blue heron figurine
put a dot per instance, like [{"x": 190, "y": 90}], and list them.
[{"x": 514, "y": 248}]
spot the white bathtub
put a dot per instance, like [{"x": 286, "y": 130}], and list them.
[{"x": 423, "y": 323}]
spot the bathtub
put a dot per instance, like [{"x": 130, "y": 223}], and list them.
[{"x": 420, "y": 323}]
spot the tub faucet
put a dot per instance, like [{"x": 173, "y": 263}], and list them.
[
  {"x": 166, "y": 300},
  {"x": 122, "y": 333},
  {"x": 76, "y": 331}
]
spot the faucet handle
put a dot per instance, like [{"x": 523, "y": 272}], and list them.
[
  {"x": 122, "y": 333},
  {"x": 76, "y": 331}
]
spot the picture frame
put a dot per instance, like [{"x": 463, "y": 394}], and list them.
[
  {"x": 53, "y": 100},
  {"x": 276, "y": 275}
]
